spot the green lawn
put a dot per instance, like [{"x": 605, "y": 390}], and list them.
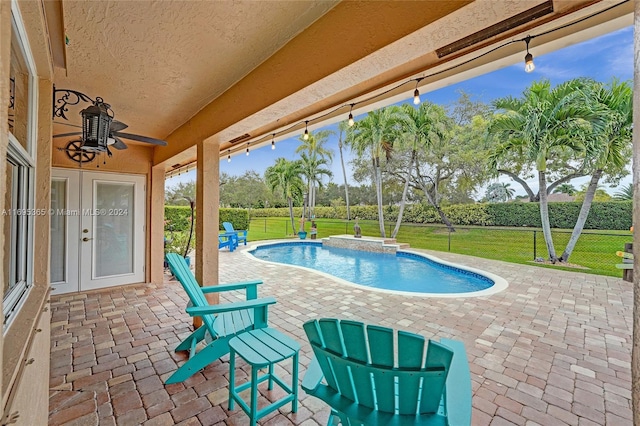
[{"x": 595, "y": 251}]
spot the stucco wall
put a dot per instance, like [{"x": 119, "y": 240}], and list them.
[
  {"x": 24, "y": 347},
  {"x": 136, "y": 159}
]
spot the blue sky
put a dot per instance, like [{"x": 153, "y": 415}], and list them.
[{"x": 601, "y": 58}]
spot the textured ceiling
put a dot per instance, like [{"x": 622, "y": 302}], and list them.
[
  {"x": 159, "y": 62},
  {"x": 193, "y": 70}
]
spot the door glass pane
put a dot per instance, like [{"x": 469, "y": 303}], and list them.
[
  {"x": 113, "y": 233},
  {"x": 58, "y": 230}
]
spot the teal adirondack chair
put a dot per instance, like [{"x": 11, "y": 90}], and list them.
[
  {"x": 242, "y": 235},
  {"x": 220, "y": 322},
  {"x": 370, "y": 380}
]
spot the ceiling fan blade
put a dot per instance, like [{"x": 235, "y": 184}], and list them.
[
  {"x": 62, "y": 135},
  {"x": 116, "y": 126},
  {"x": 67, "y": 124},
  {"x": 140, "y": 138},
  {"x": 119, "y": 144}
]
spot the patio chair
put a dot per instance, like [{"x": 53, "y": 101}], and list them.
[
  {"x": 220, "y": 323},
  {"x": 242, "y": 234},
  {"x": 228, "y": 241},
  {"x": 366, "y": 384}
]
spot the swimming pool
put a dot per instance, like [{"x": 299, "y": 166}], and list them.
[{"x": 404, "y": 272}]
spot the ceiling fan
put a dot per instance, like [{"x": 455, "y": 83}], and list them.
[
  {"x": 115, "y": 136},
  {"x": 99, "y": 128}
]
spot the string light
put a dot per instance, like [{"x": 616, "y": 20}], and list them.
[
  {"x": 529, "y": 66},
  {"x": 247, "y": 149},
  {"x": 416, "y": 93},
  {"x": 228, "y": 156},
  {"x": 306, "y": 130},
  {"x": 273, "y": 141}
]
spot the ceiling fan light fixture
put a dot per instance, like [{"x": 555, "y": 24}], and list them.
[{"x": 96, "y": 120}]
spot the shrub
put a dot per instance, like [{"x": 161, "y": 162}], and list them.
[
  {"x": 606, "y": 215},
  {"x": 177, "y": 218}
]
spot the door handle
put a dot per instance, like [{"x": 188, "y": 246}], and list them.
[{"x": 85, "y": 239}]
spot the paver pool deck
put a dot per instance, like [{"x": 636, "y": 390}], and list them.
[{"x": 554, "y": 348}]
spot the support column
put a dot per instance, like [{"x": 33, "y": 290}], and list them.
[
  {"x": 635, "y": 352},
  {"x": 156, "y": 225},
  {"x": 42, "y": 223},
  {"x": 207, "y": 215}
]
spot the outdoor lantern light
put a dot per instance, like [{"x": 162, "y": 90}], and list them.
[
  {"x": 96, "y": 121},
  {"x": 528, "y": 58}
]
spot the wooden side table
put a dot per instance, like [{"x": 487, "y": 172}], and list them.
[{"x": 263, "y": 348}]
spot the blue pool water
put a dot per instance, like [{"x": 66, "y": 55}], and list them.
[{"x": 401, "y": 272}]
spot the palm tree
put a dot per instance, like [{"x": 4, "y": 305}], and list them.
[
  {"x": 313, "y": 169},
  {"x": 610, "y": 145},
  {"x": 565, "y": 188},
  {"x": 420, "y": 127},
  {"x": 342, "y": 128},
  {"x": 626, "y": 193},
  {"x": 546, "y": 122},
  {"x": 499, "y": 192},
  {"x": 376, "y": 134},
  {"x": 285, "y": 175},
  {"x": 314, "y": 147}
]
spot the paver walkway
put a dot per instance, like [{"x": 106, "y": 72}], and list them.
[{"x": 552, "y": 349}]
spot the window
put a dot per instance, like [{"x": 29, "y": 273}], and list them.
[{"x": 20, "y": 172}]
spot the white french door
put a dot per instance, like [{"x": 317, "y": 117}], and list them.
[{"x": 97, "y": 230}]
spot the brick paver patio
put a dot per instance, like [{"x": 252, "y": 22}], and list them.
[{"x": 554, "y": 348}]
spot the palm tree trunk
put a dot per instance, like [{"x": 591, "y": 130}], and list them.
[
  {"x": 293, "y": 221},
  {"x": 544, "y": 216},
  {"x": 378, "y": 182},
  {"x": 582, "y": 217},
  {"x": 344, "y": 176},
  {"x": 404, "y": 198}
]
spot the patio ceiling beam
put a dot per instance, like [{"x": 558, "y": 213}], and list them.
[{"x": 309, "y": 57}]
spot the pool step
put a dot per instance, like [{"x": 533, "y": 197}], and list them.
[{"x": 373, "y": 244}]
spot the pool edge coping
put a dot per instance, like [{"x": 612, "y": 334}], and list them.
[{"x": 500, "y": 284}]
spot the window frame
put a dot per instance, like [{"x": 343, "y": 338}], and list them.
[{"x": 22, "y": 235}]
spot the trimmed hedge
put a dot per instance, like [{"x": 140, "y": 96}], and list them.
[
  {"x": 608, "y": 215},
  {"x": 178, "y": 218}
]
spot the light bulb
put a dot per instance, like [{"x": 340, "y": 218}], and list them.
[
  {"x": 229, "y": 158},
  {"x": 306, "y": 135},
  {"x": 247, "y": 151},
  {"x": 528, "y": 63},
  {"x": 416, "y": 97},
  {"x": 351, "y": 122},
  {"x": 273, "y": 145}
]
